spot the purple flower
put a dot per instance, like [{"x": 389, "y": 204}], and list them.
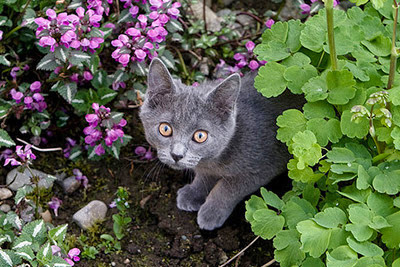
[
  {"x": 35, "y": 87},
  {"x": 99, "y": 150},
  {"x": 80, "y": 177},
  {"x": 55, "y": 249},
  {"x": 73, "y": 256},
  {"x": 25, "y": 154},
  {"x": 250, "y": 46},
  {"x": 87, "y": 75},
  {"x": 140, "y": 151},
  {"x": 269, "y": 23},
  {"x": 12, "y": 161},
  {"x": 14, "y": 72},
  {"x": 55, "y": 204},
  {"x": 113, "y": 204},
  {"x": 1, "y": 35},
  {"x": 253, "y": 65},
  {"x": 17, "y": 96},
  {"x": 306, "y": 8}
]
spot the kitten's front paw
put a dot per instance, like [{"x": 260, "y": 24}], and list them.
[
  {"x": 189, "y": 199},
  {"x": 211, "y": 216}
]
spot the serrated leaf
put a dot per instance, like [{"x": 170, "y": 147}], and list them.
[
  {"x": 325, "y": 130},
  {"x": 305, "y": 149},
  {"x": 297, "y": 76},
  {"x": 5, "y": 139},
  {"x": 319, "y": 109},
  {"x": 62, "y": 53},
  {"x": 287, "y": 248},
  {"x": 379, "y": 46},
  {"x": 342, "y": 256},
  {"x": 360, "y": 216},
  {"x": 290, "y": 122},
  {"x": 351, "y": 128},
  {"x": 391, "y": 235},
  {"x": 315, "y": 89},
  {"x": 365, "y": 248},
  {"x": 266, "y": 223},
  {"x": 68, "y": 91},
  {"x": 305, "y": 175},
  {"x": 270, "y": 81},
  {"x": 78, "y": 57},
  {"x": 48, "y": 62},
  {"x": 314, "y": 238},
  {"x": 331, "y": 218},
  {"x": 297, "y": 210},
  {"x": 387, "y": 182},
  {"x": 106, "y": 95},
  {"x": 271, "y": 199},
  {"x": 340, "y": 86}
]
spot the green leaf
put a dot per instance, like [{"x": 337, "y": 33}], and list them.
[
  {"x": 313, "y": 262},
  {"x": 61, "y": 53},
  {"x": 278, "y": 32},
  {"x": 324, "y": 130},
  {"x": 394, "y": 95},
  {"x": 313, "y": 36},
  {"x": 331, "y": 217},
  {"x": 395, "y": 134},
  {"x": 379, "y": 46},
  {"x": 287, "y": 248},
  {"x": 270, "y": 81},
  {"x": 351, "y": 128},
  {"x": 319, "y": 109},
  {"x": 271, "y": 199},
  {"x": 387, "y": 182},
  {"x": 58, "y": 233},
  {"x": 305, "y": 175},
  {"x": 380, "y": 204},
  {"x": 315, "y": 89},
  {"x": 311, "y": 194},
  {"x": 8, "y": 258},
  {"x": 4, "y": 61},
  {"x": 297, "y": 76},
  {"x": 68, "y": 91},
  {"x": 297, "y": 59},
  {"x": 391, "y": 235},
  {"x": 305, "y": 149},
  {"x": 314, "y": 238},
  {"x": 297, "y": 210},
  {"x": 106, "y": 95},
  {"x": 252, "y": 205},
  {"x": 365, "y": 248},
  {"x": 342, "y": 256},
  {"x": 78, "y": 57},
  {"x": 266, "y": 223},
  {"x": 5, "y": 139},
  {"x": 290, "y": 122},
  {"x": 340, "y": 155},
  {"x": 340, "y": 87},
  {"x": 364, "y": 180},
  {"x": 48, "y": 62},
  {"x": 360, "y": 216}
]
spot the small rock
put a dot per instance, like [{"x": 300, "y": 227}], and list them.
[
  {"x": 94, "y": 211},
  {"x": 127, "y": 261},
  {"x": 245, "y": 20},
  {"x": 16, "y": 179},
  {"x": 113, "y": 263},
  {"x": 212, "y": 20},
  {"x": 5, "y": 208},
  {"x": 224, "y": 12},
  {"x": 46, "y": 216},
  {"x": 70, "y": 184},
  {"x": 5, "y": 193}
]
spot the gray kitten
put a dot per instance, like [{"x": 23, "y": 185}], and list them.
[{"x": 224, "y": 131}]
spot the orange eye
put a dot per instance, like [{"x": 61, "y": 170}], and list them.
[
  {"x": 200, "y": 136},
  {"x": 165, "y": 129}
]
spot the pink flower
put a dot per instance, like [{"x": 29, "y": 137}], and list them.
[
  {"x": 17, "y": 96},
  {"x": 140, "y": 54},
  {"x": 306, "y": 8},
  {"x": 269, "y": 23},
  {"x": 253, "y": 65},
  {"x": 1, "y": 35},
  {"x": 87, "y": 75},
  {"x": 250, "y": 46},
  {"x": 35, "y": 87},
  {"x": 99, "y": 150},
  {"x": 55, "y": 204}
]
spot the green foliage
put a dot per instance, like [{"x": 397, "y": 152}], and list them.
[
  {"x": 30, "y": 243},
  {"x": 343, "y": 209}
]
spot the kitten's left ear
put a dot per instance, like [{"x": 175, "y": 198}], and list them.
[{"x": 224, "y": 96}]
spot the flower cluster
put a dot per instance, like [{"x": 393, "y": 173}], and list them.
[
  {"x": 24, "y": 155},
  {"x": 248, "y": 59},
  {"x": 70, "y": 144},
  {"x": 72, "y": 256},
  {"x": 148, "y": 32},
  {"x": 102, "y": 125},
  {"x": 32, "y": 99},
  {"x": 55, "y": 204},
  {"x": 76, "y": 31},
  {"x": 80, "y": 177}
]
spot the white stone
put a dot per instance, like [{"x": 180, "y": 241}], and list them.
[
  {"x": 70, "y": 184},
  {"x": 5, "y": 208},
  {"x": 16, "y": 179},
  {"x": 212, "y": 20},
  {"x": 94, "y": 211},
  {"x": 5, "y": 193}
]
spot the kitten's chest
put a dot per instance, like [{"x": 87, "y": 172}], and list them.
[{"x": 214, "y": 169}]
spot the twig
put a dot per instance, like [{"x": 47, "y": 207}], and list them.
[
  {"x": 204, "y": 15},
  {"x": 199, "y": 58},
  {"x": 237, "y": 260},
  {"x": 41, "y": 149},
  {"x": 269, "y": 263},
  {"x": 251, "y": 15},
  {"x": 240, "y": 252}
]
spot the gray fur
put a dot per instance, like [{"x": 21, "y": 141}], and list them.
[{"x": 241, "y": 152}]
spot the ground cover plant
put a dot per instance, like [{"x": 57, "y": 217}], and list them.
[
  {"x": 73, "y": 74},
  {"x": 343, "y": 209}
]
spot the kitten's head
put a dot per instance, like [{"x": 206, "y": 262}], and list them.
[{"x": 188, "y": 124}]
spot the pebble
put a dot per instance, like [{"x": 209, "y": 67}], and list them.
[
  {"x": 5, "y": 208},
  {"x": 46, "y": 216},
  {"x": 127, "y": 261},
  {"x": 70, "y": 184},
  {"x": 94, "y": 211},
  {"x": 5, "y": 193},
  {"x": 16, "y": 179},
  {"x": 113, "y": 263},
  {"x": 213, "y": 21}
]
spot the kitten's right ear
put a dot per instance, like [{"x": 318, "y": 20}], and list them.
[{"x": 159, "y": 79}]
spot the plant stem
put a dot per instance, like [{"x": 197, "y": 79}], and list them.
[
  {"x": 35, "y": 181},
  {"x": 331, "y": 34},
  {"x": 393, "y": 54}
]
